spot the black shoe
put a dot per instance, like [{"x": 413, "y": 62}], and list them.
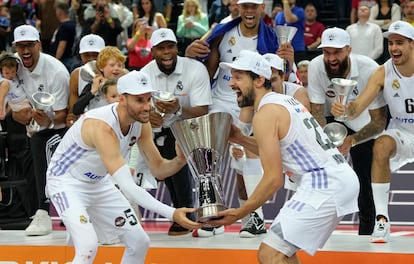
[
  {"x": 177, "y": 230},
  {"x": 254, "y": 226}
]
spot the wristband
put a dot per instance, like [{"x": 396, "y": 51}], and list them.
[
  {"x": 167, "y": 19},
  {"x": 110, "y": 20}
]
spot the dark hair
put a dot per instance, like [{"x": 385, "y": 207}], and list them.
[
  {"x": 141, "y": 12},
  {"x": 267, "y": 84}
]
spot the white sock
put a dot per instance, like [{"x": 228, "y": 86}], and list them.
[
  {"x": 252, "y": 174},
  {"x": 380, "y": 192}
]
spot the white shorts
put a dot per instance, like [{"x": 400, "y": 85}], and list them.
[
  {"x": 301, "y": 226},
  {"x": 92, "y": 210},
  {"x": 405, "y": 147}
]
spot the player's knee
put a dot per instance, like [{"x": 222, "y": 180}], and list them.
[
  {"x": 137, "y": 241},
  {"x": 384, "y": 148},
  {"x": 267, "y": 254}
]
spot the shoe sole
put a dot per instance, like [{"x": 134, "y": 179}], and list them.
[
  {"x": 378, "y": 240},
  {"x": 181, "y": 233},
  {"x": 246, "y": 234}
]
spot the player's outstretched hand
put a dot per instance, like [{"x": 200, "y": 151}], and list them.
[
  {"x": 180, "y": 217},
  {"x": 226, "y": 217}
]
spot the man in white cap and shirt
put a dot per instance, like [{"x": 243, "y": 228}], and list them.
[
  {"x": 337, "y": 61},
  {"x": 395, "y": 147},
  {"x": 41, "y": 73},
  {"x": 89, "y": 47},
  {"x": 96, "y": 145},
  {"x": 188, "y": 81},
  {"x": 286, "y": 139}
]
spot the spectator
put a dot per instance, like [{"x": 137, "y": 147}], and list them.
[
  {"x": 125, "y": 15},
  {"x": 4, "y": 26},
  {"x": 178, "y": 75},
  {"x": 139, "y": 46},
  {"x": 384, "y": 12},
  {"x": 408, "y": 11},
  {"x": 234, "y": 12},
  {"x": 337, "y": 61},
  {"x": 89, "y": 48},
  {"x": 164, "y": 7},
  {"x": 104, "y": 24},
  {"x": 36, "y": 77},
  {"x": 354, "y": 8},
  {"x": 303, "y": 72},
  {"x": 64, "y": 37},
  {"x": 218, "y": 10},
  {"x": 313, "y": 28},
  {"x": 294, "y": 16},
  {"x": 47, "y": 23},
  {"x": 192, "y": 24},
  {"x": 365, "y": 36},
  {"x": 146, "y": 9}
]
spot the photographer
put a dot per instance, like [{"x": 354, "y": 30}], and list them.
[{"x": 104, "y": 24}]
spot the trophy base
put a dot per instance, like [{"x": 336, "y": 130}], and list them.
[{"x": 208, "y": 212}]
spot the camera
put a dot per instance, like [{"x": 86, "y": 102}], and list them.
[{"x": 101, "y": 9}]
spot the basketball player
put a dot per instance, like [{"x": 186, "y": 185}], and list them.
[
  {"x": 287, "y": 138},
  {"x": 97, "y": 144},
  {"x": 395, "y": 147}
]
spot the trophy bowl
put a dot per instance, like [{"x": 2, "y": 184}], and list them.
[
  {"x": 43, "y": 100},
  {"x": 163, "y": 95},
  {"x": 285, "y": 33},
  {"x": 336, "y": 132},
  {"x": 88, "y": 71}
]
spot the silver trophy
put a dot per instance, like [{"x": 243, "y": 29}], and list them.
[
  {"x": 285, "y": 34},
  {"x": 41, "y": 101},
  {"x": 336, "y": 132},
  {"x": 88, "y": 71},
  {"x": 343, "y": 88},
  {"x": 204, "y": 141}
]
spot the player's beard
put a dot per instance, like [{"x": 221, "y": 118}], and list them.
[
  {"x": 248, "y": 99},
  {"x": 343, "y": 66}
]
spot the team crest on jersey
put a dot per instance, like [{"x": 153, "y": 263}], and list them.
[
  {"x": 395, "y": 84},
  {"x": 355, "y": 91},
  {"x": 232, "y": 41},
  {"x": 120, "y": 221},
  {"x": 83, "y": 219},
  {"x": 330, "y": 93},
  {"x": 179, "y": 86}
]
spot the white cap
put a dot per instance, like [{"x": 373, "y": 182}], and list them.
[
  {"x": 91, "y": 43},
  {"x": 161, "y": 35},
  {"x": 257, "y": 2},
  {"x": 26, "y": 33},
  {"x": 401, "y": 28},
  {"x": 275, "y": 61},
  {"x": 135, "y": 83},
  {"x": 250, "y": 61},
  {"x": 335, "y": 38}
]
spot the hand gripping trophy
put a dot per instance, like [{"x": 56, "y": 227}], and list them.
[
  {"x": 204, "y": 141},
  {"x": 41, "y": 101}
]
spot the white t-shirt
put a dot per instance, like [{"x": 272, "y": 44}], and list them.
[
  {"x": 190, "y": 79},
  {"x": 321, "y": 90}
]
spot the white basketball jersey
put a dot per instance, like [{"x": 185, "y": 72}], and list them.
[
  {"x": 83, "y": 162},
  {"x": 306, "y": 150},
  {"x": 230, "y": 46},
  {"x": 399, "y": 96}
]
